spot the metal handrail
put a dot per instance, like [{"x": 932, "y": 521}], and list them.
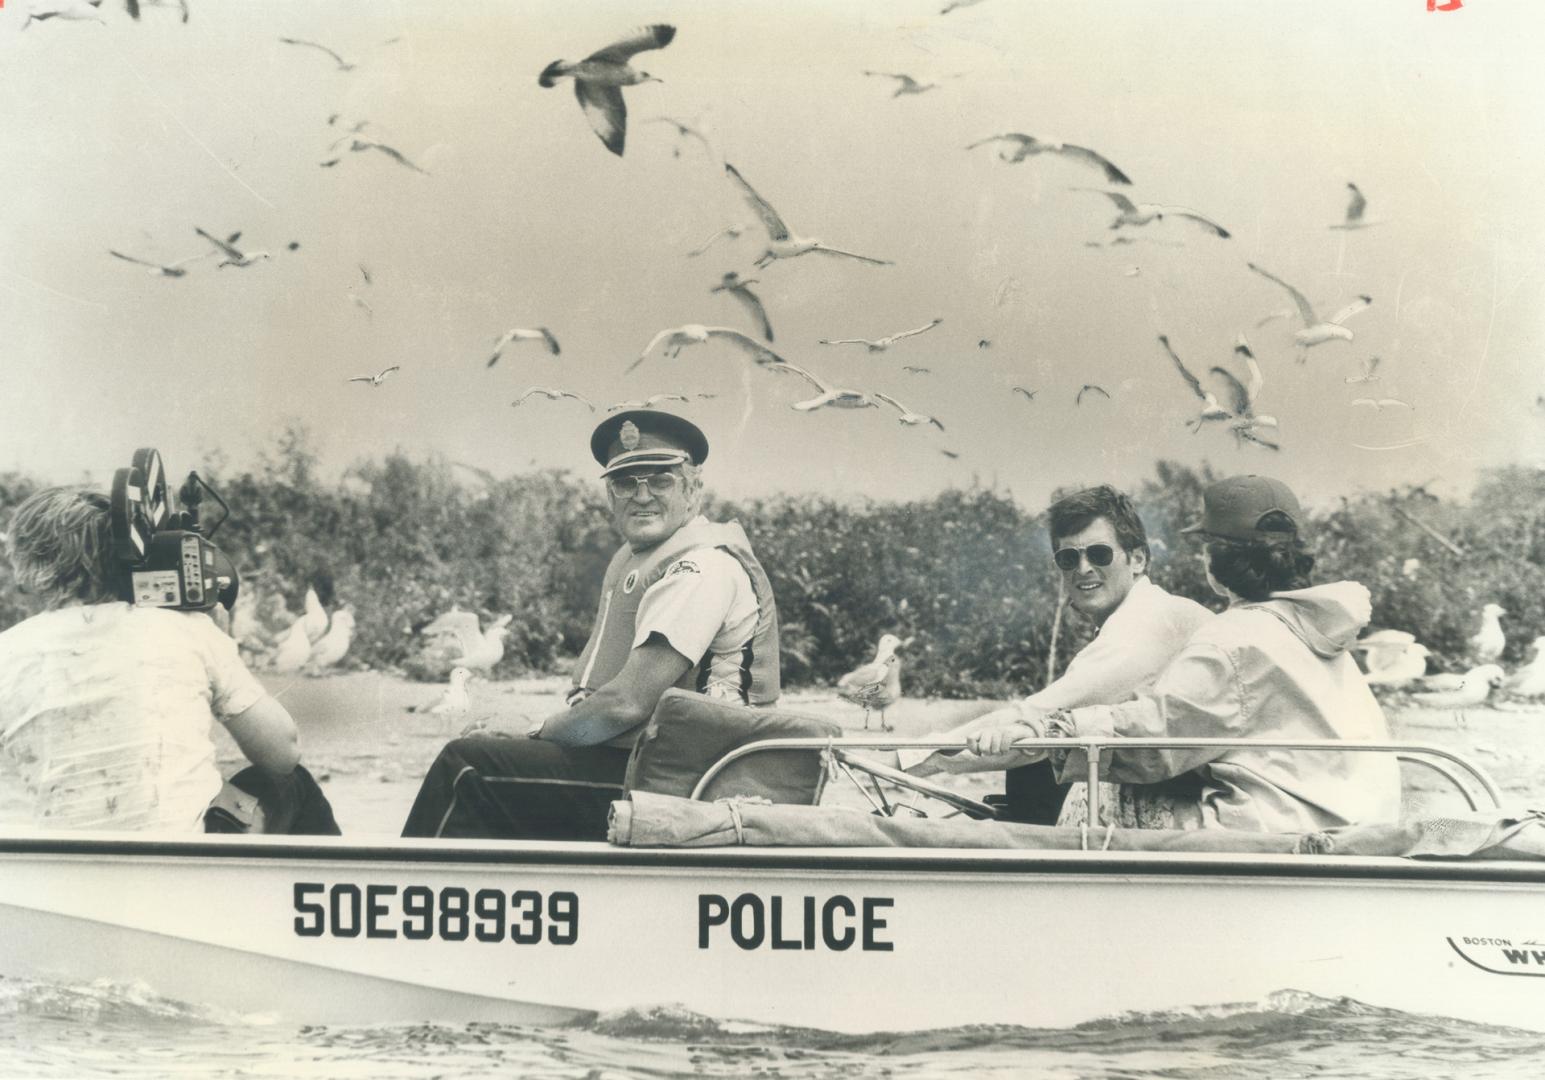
[{"x": 1093, "y": 745}]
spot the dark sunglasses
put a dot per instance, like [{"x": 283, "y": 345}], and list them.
[{"x": 1098, "y": 555}]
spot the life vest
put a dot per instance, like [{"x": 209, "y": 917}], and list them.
[{"x": 629, "y": 576}]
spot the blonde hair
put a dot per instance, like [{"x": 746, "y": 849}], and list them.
[{"x": 61, "y": 547}]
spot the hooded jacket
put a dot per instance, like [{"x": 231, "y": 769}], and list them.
[{"x": 1281, "y": 669}]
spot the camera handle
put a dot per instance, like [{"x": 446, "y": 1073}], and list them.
[{"x": 191, "y": 495}]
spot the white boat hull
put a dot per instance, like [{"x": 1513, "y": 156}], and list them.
[{"x": 334, "y": 932}]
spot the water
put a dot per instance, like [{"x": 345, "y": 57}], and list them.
[{"x": 113, "y": 1030}]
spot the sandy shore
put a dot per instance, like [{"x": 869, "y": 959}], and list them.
[{"x": 371, "y": 751}]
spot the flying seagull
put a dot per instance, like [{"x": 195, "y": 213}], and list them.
[
  {"x": 1380, "y": 404},
  {"x": 1369, "y": 373},
  {"x": 1245, "y": 420},
  {"x": 739, "y": 288},
  {"x": 1211, "y": 409},
  {"x": 783, "y": 244},
  {"x": 552, "y": 395},
  {"x": 648, "y": 403},
  {"x": 881, "y": 344},
  {"x": 1355, "y": 207},
  {"x": 343, "y": 65},
  {"x": 1090, "y": 388},
  {"x": 541, "y": 333},
  {"x": 356, "y": 145},
  {"x": 1029, "y": 394},
  {"x": 379, "y": 377},
  {"x": 677, "y": 338},
  {"x": 913, "y": 369},
  {"x": 906, "y": 84},
  {"x": 732, "y": 231},
  {"x": 600, "y": 77},
  {"x": 1315, "y": 330},
  {"x": 908, "y": 417},
  {"x": 173, "y": 270},
  {"x": 684, "y": 129},
  {"x": 76, "y": 10},
  {"x": 234, "y": 256},
  {"x": 1143, "y": 213},
  {"x": 1018, "y": 146},
  {"x": 835, "y": 397}
]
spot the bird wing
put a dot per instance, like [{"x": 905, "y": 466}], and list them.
[
  {"x": 854, "y": 255},
  {"x": 1351, "y": 309},
  {"x": 1185, "y": 373},
  {"x": 914, "y": 333},
  {"x": 1257, "y": 380},
  {"x": 504, "y": 339},
  {"x": 1200, "y": 219},
  {"x": 1237, "y": 392},
  {"x": 388, "y": 372},
  {"x": 221, "y": 244},
  {"x": 1029, "y": 394},
  {"x": 340, "y": 61},
  {"x": 1305, "y": 312},
  {"x": 774, "y": 225},
  {"x": 1123, "y": 203},
  {"x": 655, "y": 36},
  {"x": 654, "y": 399},
  {"x": 1246, "y": 433},
  {"x": 654, "y": 342},
  {"x": 728, "y": 229},
  {"x": 1365, "y": 401},
  {"x": 132, "y": 259},
  {"x": 1371, "y": 365},
  {"x": 893, "y": 403},
  {"x": 395, "y": 155},
  {"x": 364, "y": 274},
  {"x": 549, "y": 340},
  {"x": 759, "y": 352},
  {"x": 532, "y": 390},
  {"x": 753, "y": 304},
  {"x": 607, "y": 112},
  {"x": 845, "y": 341},
  {"x": 1357, "y": 204},
  {"x": 577, "y": 397},
  {"x": 1383, "y": 401},
  {"x": 1099, "y": 161},
  {"x": 362, "y": 378},
  {"x": 1007, "y": 136},
  {"x": 1087, "y": 387},
  {"x": 787, "y": 367}
]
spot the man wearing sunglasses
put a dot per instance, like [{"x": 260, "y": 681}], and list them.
[
  {"x": 684, "y": 603},
  {"x": 1100, "y": 548}
]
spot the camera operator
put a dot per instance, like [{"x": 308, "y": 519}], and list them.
[{"x": 105, "y": 706}]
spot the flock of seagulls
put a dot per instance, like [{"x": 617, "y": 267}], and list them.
[{"x": 1395, "y": 660}]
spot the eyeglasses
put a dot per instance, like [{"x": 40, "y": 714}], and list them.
[
  {"x": 1098, "y": 554},
  {"x": 627, "y": 487}
]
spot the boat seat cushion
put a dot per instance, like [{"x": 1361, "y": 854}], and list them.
[{"x": 689, "y": 732}]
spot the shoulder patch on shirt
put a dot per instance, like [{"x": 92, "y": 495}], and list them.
[{"x": 683, "y": 566}]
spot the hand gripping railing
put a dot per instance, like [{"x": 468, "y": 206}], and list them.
[{"x": 1094, "y": 745}]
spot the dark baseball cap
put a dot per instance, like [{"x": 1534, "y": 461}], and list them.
[
  {"x": 1234, "y": 507},
  {"x": 646, "y": 437}
]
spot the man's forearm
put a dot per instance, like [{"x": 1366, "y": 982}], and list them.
[{"x": 592, "y": 721}]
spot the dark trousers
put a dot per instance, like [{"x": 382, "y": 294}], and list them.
[
  {"x": 292, "y": 805},
  {"x": 1033, "y": 795},
  {"x": 492, "y": 787}
]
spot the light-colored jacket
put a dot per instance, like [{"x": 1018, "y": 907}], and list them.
[{"x": 1278, "y": 668}]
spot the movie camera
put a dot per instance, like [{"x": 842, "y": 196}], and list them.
[{"x": 165, "y": 552}]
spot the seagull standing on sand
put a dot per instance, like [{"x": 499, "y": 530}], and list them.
[
  {"x": 1529, "y": 680},
  {"x": 343, "y": 65},
  {"x": 293, "y": 648},
  {"x": 1315, "y": 330},
  {"x": 908, "y": 417},
  {"x": 1211, "y": 410},
  {"x": 1018, "y": 146},
  {"x": 877, "y": 684},
  {"x": 782, "y": 243},
  {"x": 541, "y": 333},
  {"x": 1461, "y": 692},
  {"x": 234, "y": 256},
  {"x": 1143, "y": 213},
  {"x": 552, "y": 395},
  {"x": 484, "y": 650},
  {"x": 739, "y": 288},
  {"x": 454, "y": 701},
  {"x": 827, "y": 396},
  {"x": 1355, "y": 207},
  {"x": 677, "y": 338},
  {"x": 379, "y": 377},
  {"x": 600, "y": 77},
  {"x": 881, "y": 344},
  {"x": 1488, "y": 642},
  {"x": 332, "y": 646},
  {"x": 315, "y": 619}
]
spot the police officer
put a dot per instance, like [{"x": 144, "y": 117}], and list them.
[{"x": 684, "y": 603}]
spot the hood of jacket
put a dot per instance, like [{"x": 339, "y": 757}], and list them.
[{"x": 1326, "y": 618}]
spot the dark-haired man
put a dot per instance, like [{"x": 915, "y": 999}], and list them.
[
  {"x": 1100, "y": 548},
  {"x": 684, "y": 603}
]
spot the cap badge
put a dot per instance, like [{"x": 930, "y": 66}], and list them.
[{"x": 629, "y": 435}]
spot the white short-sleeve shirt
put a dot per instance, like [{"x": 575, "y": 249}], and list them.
[
  {"x": 704, "y": 606},
  {"x": 105, "y": 714}
]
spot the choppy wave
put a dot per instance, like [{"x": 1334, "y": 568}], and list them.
[{"x": 125, "y": 1030}]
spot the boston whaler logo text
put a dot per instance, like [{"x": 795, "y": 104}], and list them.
[{"x": 1501, "y": 956}]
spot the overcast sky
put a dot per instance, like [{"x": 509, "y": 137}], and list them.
[{"x": 125, "y": 136}]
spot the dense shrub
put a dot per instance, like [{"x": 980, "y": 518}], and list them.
[{"x": 964, "y": 575}]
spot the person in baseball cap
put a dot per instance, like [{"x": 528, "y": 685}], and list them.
[{"x": 1248, "y": 508}]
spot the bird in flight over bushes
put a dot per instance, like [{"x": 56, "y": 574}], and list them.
[
  {"x": 1132, "y": 213},
  {"x": 1316, "y": 331},
  {"x": 782, "y": 242},
  {"x": 1245, "y": 419},
  {"x": 75, "y": 10},
  {"x": 828, "y": 396},
  {"x": 881, "y": 344},
  {"x": 541, "y": 333},
  {"x": 677, "y": 338},
  {"x": 1211, "y": 408},
  {"x": 1018, "y": 146},
  {"x": 908, "y": 417},
  {"x": 600, "y": 77},
  {"x": 379, "y": 377},
  {"x": 739, "y": 288},
  {"x": 552, "y": 395}
]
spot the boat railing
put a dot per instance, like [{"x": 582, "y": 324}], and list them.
[{"x": 1451, "y": 766}]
